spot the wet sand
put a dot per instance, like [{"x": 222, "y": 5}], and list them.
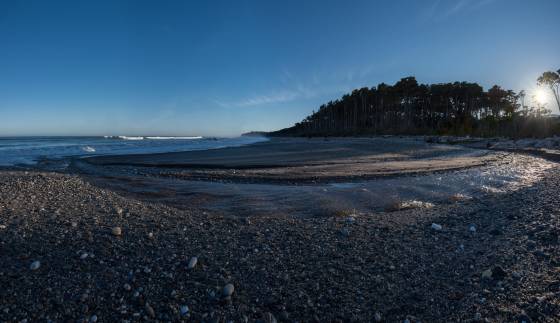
[{"x": 311, "y": 160}]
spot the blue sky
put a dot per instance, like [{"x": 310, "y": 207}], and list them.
[{"x": 221, "y": 68}]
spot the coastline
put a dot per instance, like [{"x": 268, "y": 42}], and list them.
[{"x": 350, "y": 266}]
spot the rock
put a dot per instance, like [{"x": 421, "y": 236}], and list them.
[
  {"x": 93, "y": 318},
  {"x": 351, "y": 219},
  {"x": 498, "y": 273},
  {"x": 345, "y": 232},
  {"x": 477, "y": 316},
  {"x": 472, "y": 228},
  {"x": 116, "y": 231},
  {"x": 496, "y": 232},
  {"x": 192, "y": 263},
  {"x": 35, "y": 265},
  {"x": 184, "y": 309},
  {"x": 127, "y": 287},
  {"x": 523, "y": 318},
  {"x": 228, "y": 290},
  {"x": 269, "y": 318},
  {"x": 487, "y": 274},
  {"x": 377, "y": 317},
  {"x": 436, "y": 227},
  {"x": 150, "y": 310},
  {"x": 84, "y": 256}
]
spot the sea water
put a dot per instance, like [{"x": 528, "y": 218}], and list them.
[{"x": 16, "y": 151}]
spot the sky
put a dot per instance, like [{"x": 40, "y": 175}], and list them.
[{"x": 221, "y": 68}]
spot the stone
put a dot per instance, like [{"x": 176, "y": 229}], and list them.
[
  {"x": 487, "y": 274},
  {"x": 84, "y": 256},
  {"x": 228, "y": 290},
  {"x": 345, "y": 232},
  {"x": 192, "y": 263},
  {"x": 184, "y": 309},
  {"x": 35, "y": 265},
  {"x": 116, "y": 231},
  {"x": 436, "y": 227},
  {"x": 377, "y": 317},
  {"x": 269, "y": 318},
  {"x": 93, "y": 318},
  {"x": 472, "y": 228},
  {"x": 127, "y": 287},
  {"x": 498, "y": 273},
  {"x": 149, "y": 310}
]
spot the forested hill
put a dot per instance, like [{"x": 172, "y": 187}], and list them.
[{"x": 459, "y": 108}]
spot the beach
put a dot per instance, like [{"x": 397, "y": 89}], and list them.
[{"x": 85, "y": 245}]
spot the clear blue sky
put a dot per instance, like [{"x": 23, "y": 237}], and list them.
[{"x": 225, "y": 67}]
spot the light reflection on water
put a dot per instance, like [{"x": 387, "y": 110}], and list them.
[{"x": 512, "y": 173}]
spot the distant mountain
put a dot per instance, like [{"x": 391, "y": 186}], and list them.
[{"x": 255, "y": 134}]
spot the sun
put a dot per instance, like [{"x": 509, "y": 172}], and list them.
[{"x": 541, "y": 96}]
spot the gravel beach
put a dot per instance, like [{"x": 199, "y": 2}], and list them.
[
  {"x": 74, "y": 251},
  {"x": 495, "y": 259}
]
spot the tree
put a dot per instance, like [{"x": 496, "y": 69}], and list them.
[{"x": 552, "y": 81}]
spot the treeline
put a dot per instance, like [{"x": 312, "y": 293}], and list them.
[{"x": 459, "y": 108}]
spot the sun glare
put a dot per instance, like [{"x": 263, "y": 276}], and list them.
[{"x": 541, "y": 96}]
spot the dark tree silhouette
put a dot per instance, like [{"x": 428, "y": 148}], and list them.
[
  {"x": 459, "y": 108},
  {"x": 552, "y": 81}
]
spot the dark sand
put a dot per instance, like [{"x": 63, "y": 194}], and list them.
[
  {"x": 342, "y": 267},
  {"x": 311, "y": 160}
]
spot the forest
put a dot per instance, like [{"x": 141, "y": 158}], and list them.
[{"x": 410, "y": 108}]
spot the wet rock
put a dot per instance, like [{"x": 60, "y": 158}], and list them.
[
  {"x": 192, "y": 263},
  {"x": 436, "y": 227},
  {"x": 116, "y": 231},
  {"x": 228, "y": 290},
  {"x": 35, "y": 265}
]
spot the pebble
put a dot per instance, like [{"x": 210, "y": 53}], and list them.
[
  {"x": 436, "y": 227},
  {"x": 377, "y": 317},
  {"x": 269, "y": 318},
  {"x": 127, "y": 287},
  {"x": 35, "y": 265},
  {"x": 184, "y": 310},
  {"x": 192, "y": 263},
  {"x": 84, "y": 256},
  {"x": 472, "y": 228},
  {"x": 116, "y": 231},
  {"x": 487, "y": 274},
  {"x": 93, "y": 318},
  {"x": 228, "y": 290},
  {"x": 477, "y": 316},
  {"x": 345, "y": 232},
  {"x": 150, "y": 310}
]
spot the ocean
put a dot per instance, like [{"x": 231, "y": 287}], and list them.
[{"x": 15, "y": 151}]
